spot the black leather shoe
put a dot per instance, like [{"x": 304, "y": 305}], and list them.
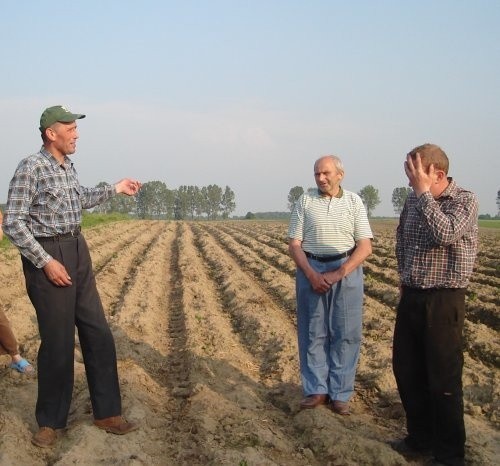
[
  {"x": 456, "y": 461},
  {"x": 408, "y": 445}
]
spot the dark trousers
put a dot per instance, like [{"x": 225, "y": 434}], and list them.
[
  {"x": 59, "y": 310},
  {"x": 427, "y": 363}
]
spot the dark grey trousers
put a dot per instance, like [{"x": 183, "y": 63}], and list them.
[
  {"x": 59, "y": 310},
  {"x": 427, "y": 363}
]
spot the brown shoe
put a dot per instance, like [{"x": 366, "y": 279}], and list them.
[
  {"x": 45, "y": 437},
  {"x": 312, "y": 401},
  {"x": 340, "y": 407},
  {"x": 116, "y": 425}
]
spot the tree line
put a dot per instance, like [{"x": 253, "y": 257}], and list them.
[
  {"x": 369, "y": 195},
  {"x": 155, "y": 200}
]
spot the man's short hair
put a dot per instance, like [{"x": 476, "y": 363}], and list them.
[
  {"x": 339, "y": 166},
  {"x": 430, "y": 154}
]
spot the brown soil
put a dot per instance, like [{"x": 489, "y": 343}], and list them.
[{"x": 203, "y": 315}]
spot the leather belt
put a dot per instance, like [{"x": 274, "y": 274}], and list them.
[
  {"x": 329, "y": 258},
  {"x": 71, "y": 234},
  {"x": 411, "y": 289}
]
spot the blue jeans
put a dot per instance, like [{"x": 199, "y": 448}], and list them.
[{"x": 329, "y": 332}]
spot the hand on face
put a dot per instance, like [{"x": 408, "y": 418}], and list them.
[{"x": 420, "y": 180}]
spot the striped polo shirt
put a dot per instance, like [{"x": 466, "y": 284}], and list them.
[{"x": 329, "y": 225}]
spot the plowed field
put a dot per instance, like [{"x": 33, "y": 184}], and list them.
[{"x": 203, "y": 315}]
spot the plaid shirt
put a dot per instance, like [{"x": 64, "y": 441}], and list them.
[
  {"x": 436, "y": 239},
  {"x": 45, "y": 199}
]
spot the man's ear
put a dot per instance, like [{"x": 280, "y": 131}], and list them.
[
  {"x": 50, "y": 134},
  {"x": 440, "y": 175}
]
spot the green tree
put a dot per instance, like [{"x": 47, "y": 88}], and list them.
[
  {"x": 194, "y": 200},
  {"x": 399, "y": 196},
  {"x": 120, "y": 203},
  {"x": 155, "y": 200},
  {"x": 201, "y": 202},
  {"x": 105, "y": 206},
  {"x": 169, "y": 202},
  {"x": 294, "y": 195},
  {"x": 498, "y": 203},
  {"x": 227, "y": 203},
  {"x": 212, "y": 195},
  {"x": 369, "y": 196},
  {"x": 181, "y": 203},
  {"x": 124, "y": 204}
]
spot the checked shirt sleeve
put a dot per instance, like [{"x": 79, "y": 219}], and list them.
[
  {"x": 90, "y": 197},
  {"x": 447, "y": 226},
  {"x": 17, "y": 218}
]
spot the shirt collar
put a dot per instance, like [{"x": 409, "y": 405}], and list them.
[
  {"x": 451, "y": 190},
  {"x": 338, "y": 195},
  {"x": 53, "y": 161}
]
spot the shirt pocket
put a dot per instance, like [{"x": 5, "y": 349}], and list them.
[{"x": 54, "y": 199}]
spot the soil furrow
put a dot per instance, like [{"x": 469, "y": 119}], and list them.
[
  {"x": 227, "y": 388},
  {"x": 278, "y": 285},
  {"x": 259, "y": 335},
  {"x": 115, "y": 243},
  {"x": 267, "y": 251},
  {"x": 203, "y": 315}
]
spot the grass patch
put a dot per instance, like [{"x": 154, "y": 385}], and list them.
[
  {"x": 91, "y": 219},
  {"x": 393, "y": 222},
  {"x": 489, "y": 223}
]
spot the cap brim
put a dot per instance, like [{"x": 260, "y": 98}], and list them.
[{"x": 71, "y": 117}]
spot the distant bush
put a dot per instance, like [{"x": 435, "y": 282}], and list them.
[{"x": 272, "y": 215}]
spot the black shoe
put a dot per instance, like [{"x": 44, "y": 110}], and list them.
[
  {"x": 457, "y": 461},
  {"x": 409, "y": 445}
]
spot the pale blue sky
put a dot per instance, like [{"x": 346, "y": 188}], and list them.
[{"x": 249, "y": 93}]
